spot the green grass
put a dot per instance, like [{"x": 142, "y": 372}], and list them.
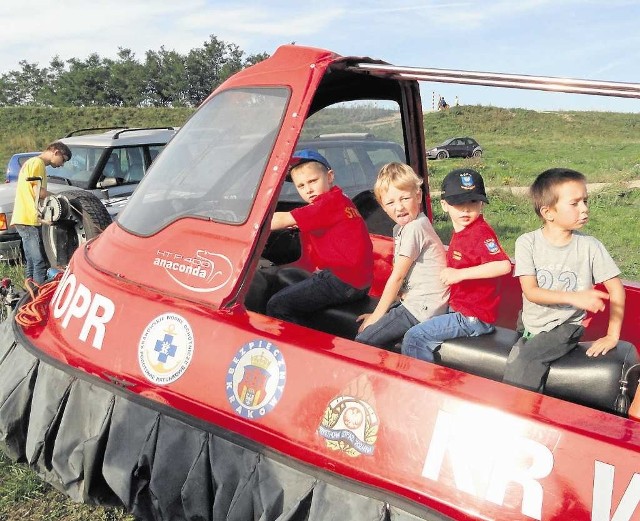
[
  {"x": 519, "y": 143},
  {"x": 28, "y": 129},
  {"x": 23, "y": 496}
]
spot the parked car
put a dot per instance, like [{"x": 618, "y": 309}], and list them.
[
  {"x": 355, "y": 159},
  {"x": 456, "y": 147},
  {"x": 15, "y": 164},
  {"x": 109, "y": 164}
]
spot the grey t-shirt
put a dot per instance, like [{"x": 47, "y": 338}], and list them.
[
  {"x": 574, "y": 267},
  {"x": 422, "y": 293}
]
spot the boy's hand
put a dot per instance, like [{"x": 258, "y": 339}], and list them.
[
  {"x": 589, "y": 299},
  {"x": 450, "y": 276},
  {"x": 602, "y": 345},
  {"x": 363, "y": 318},
  {"x": 367, "y": 319}
]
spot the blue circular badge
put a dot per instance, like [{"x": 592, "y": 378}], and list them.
[{"x": 255, "y": 379}]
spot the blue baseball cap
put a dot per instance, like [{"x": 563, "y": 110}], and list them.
[{"x": 305, "y": 156}]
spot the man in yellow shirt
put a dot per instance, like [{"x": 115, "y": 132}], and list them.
[{"x": 25, "y": 212}]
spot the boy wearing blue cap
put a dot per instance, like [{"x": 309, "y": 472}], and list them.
[{"x": 334, "y": 238}]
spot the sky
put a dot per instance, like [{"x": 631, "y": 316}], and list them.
[{"x": 586, "y": 39}]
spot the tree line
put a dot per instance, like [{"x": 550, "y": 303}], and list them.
[{"x": 164, "y": 79}]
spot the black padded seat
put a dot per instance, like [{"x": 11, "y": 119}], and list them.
[
  {"x": 485, "y": 355},
  {"x": 592, "y": 381},
  {"x": 341, "y": 320},
  {"x": 577, "y": 378},
  {"x": 336, "y": 320}
]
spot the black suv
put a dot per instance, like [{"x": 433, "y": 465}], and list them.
[{"x": 355, "y": 159}]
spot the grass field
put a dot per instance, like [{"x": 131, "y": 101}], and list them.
[
  {"x": 518, "y": 143},
  {"x": 24, "y": 497}
]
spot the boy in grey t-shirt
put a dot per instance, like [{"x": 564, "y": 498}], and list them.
[
  {"x": 413, "y": 292},
  {"x": 558, "y": 267}
]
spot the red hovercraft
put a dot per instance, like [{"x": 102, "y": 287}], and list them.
[{"x": 157, "y": 382}]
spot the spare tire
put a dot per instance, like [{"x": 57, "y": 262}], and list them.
[{"x": 87, "y": 218}]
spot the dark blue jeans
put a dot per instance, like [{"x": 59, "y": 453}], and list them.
[
  {"x": 422, "y": 340},
  {"x": 36, "y": 265},
  {"x": 323, "y": 289},
  {"x": 389, "y": 329}
]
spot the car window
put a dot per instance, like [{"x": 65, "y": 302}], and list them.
[
  {"x": 380, "y": 156},
  {"x": 126, "y": 165},
  {"x": 356, "y": 165},
  {"x": 154, "y": 150},
  {"x": 81, "y": 165},
  {"x": 114, "y": 165},
  {"x": 133, "y": 165}
]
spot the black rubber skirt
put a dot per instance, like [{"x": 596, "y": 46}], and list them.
[{"x": 100, "y": 446}]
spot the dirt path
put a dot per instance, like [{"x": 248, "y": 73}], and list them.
[{"x": 523, "y": 190}]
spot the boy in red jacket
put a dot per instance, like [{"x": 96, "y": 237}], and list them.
[
  {"x": 334, "y": 239},
  {"x": 474, "y": 260}
]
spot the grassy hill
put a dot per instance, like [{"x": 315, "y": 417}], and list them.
[
  {"x": 27, "y": 129},
  {"x": 518, "y": 143}
]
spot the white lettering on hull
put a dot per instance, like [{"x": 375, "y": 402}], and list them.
[
  {"x": 74, "y": 301},
  {"x": 486, "y": 474},
  {"x": 603, "y": 479}
]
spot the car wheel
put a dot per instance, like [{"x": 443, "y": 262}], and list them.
[
  {"x": 442, "y": 155},
  {"x": 477, "y": 153},
  {"x": 86, "y": 219}
]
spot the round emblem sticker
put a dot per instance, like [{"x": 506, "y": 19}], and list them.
[
  {"x": 165, "y": 348},
  {"x": 255, "y": 379}
]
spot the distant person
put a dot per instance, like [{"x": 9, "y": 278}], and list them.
[
  {"x": 334, "y": 238},
  {"x": 474, "y": 260},
  {"x": 442, "y": 104},
  {"x": 413, "y": 292},
  {"x": 25, "y": 212},
  {"x": 558, "y": 267}
]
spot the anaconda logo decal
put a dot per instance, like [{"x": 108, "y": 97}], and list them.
[
  {"x": 165, "y": 349},
  {"x": 350, "y": 423},
  {"x": 203, "y": 272},
  {"x": 256, "y": 379}
]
